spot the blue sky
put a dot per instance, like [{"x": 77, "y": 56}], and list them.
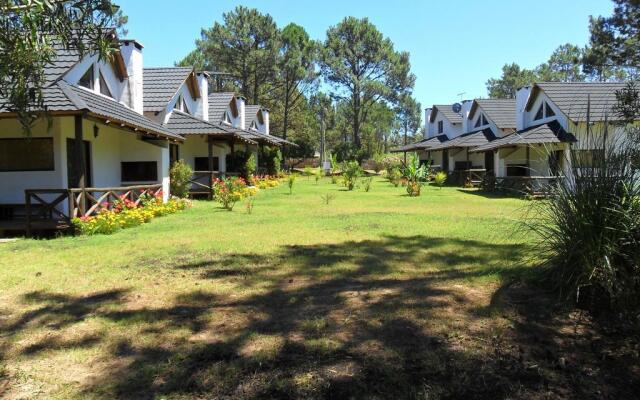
[{"x": 455, "y": 46}]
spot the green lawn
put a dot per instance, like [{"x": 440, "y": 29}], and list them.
[{"x": 375, "y": 295}]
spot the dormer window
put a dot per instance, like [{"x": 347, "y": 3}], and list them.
[
  {"x": 104, "y": 89},
  {"x": 254, "y": 126},
  {"x": 440, "y": 126},
  {"x": 544, "y": 111},
  {"x": 181, "y": 104},
  {"x": 87, "y": 79},
  {"x": 226, "y": 119},
  {"x": 482, "y": 121}
]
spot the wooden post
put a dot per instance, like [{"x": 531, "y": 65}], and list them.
[
  {"x": 528, "y": 162},
  {"x": 79, "y": 158},
  {"x": 28, "y": 210},
  {"x": 210, "y": 159}
]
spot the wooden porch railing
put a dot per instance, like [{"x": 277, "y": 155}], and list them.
[
  {"x": 202, "y": 181},
  {"x": 42, "y": 212},
  {"x": 88, "y": 201},
  {"x": 536, "y": 186}
]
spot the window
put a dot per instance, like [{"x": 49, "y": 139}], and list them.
[
  {"x": 184, "y": 105},
  {"x": 517, "y": 170},
  {"x": 104, "y": 89},
  {"x": 540, "y": 113},
  {"x": 139, "y": 171},
  {"x": 440, "y": 126},
  {"x": 87, "y": 79},
  {"x": 254, "y": 126},
  {"x": 477, "y": 125},
  {"x": 549, "y": 111},
  {"x": 484, "y": 120},
  {"x": 226, "y": 119},
  {"x": 202, "y": 164},
  {"x": 544, "y": 111},
  {"x": 179, "y": 104},
  {"x": 35, "y": 154}
]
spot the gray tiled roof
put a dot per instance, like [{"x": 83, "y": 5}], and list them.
[
  {"x": 424, "y": 144},
  {"x": 447, "y": 111},
  {"x": 471, "y": 139},
  {"x": 250, "y": 114},
  {"x": 218, "y": 104},
  {"x": 84, "y": 99},
  {"x": 185, "y": 124},
  {"x": 571, "y": 98},
  {"x": 501, "y": 111},
  {"x": 161, "y": 84},
  {"x": 62, "y": 61},
  {"x": 257, "y": 136},
  {"x": 551, "y": 132}
]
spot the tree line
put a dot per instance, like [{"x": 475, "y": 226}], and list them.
[
  {"x": 612, "y": 54},
  {"x": 353, "y": 85}
]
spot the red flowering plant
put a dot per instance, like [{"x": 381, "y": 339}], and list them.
[{"x": 228, "y": 191}]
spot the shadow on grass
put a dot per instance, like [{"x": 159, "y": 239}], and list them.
[{"x": 394, "y": 317}]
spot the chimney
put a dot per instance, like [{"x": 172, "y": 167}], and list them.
[
  {"x": 241, "y": 103},
  {"x": 202, "y": 106},
  {"x": 522, "y": 97},
  {"x": 265, "y": 116},
  {"x": 466, "y": 109},
  {"x": 427, "y": 125},
  {"x": 132, "y": 55}
]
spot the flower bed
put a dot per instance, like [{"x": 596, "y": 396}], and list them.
[
  {"x": 124, "y": 213},
  {"x": 229, "y": 191},
  {"x": 266, "y": 182}
]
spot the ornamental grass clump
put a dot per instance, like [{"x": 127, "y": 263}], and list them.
[{"x": 588, "y": 229}]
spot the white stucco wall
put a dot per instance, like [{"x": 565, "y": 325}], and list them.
[
  {"x": 112, "y": 146},
  {"x": 13, "y": 184},
  {"x": 196, "y": 146}
]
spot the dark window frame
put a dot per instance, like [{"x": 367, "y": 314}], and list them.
[
  {"x": 43, "y": 139},
  {"x": 126, "y": 176},
  {"x": 89, "y": 73},
  {"x": 198, "y": 160},
  {"x": 104, "y": 88},
  {"x": 440, "y": 126}
]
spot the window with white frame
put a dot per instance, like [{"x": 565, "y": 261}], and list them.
[
  {"x": 440, "y": 126},
  {"x": 104, "y": 88},
  {"x": 86, "y": 80}
]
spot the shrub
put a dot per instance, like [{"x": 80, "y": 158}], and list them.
[
  {"x": 308, "y": 171},
  {"x": 589, "y": 228},
  {"x": 179, "y": 177},
  {"x": 290, "y": 181},
  {"x": 250, "y": 166},
  {"x": 237, "y": 162},
  {"x": 317, "y": 175},
  {"x": 366, "y": 184},
  {"x": 390, "y": 163},
  {"x": 272, "y": 158},
  {"x": 394, "y": 176},
  {"x": 440, "y": 178},
  {"x": 351, "y": 171},
  {"x": 228, "y": 191}
]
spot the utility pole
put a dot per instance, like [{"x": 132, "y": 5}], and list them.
[{"x": 322, "y": 138}]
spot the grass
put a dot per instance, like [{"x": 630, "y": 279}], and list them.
[{"x": 374, "y": 295}]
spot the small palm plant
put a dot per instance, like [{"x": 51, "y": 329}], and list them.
[
  {"x": 415, "y": 174},
  {"x": 439, "y": 179},
  {"x": 351, "y": 171}
]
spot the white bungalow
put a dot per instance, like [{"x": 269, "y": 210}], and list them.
[
  {"x": 551, "y": 119},
  {"x": 484, "y": 120},
  {"x": 98, "y": 138}
]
